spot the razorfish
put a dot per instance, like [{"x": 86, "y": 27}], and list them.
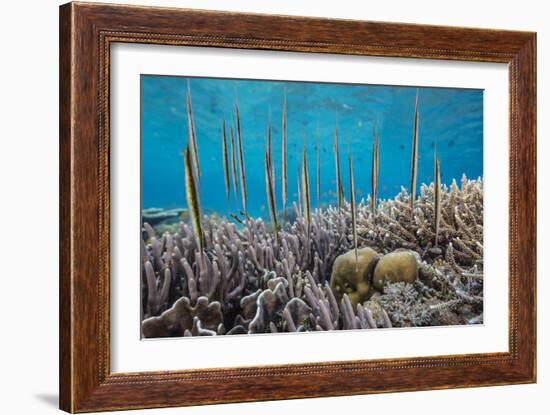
[
  {"x": 318, "y": 169},
  {"x": 283, "y": 160},
  {"x": 233, "y": 162},
  {"x": 353, "y": 208},
  {"x": 375, "y": 171},
  {"x": 241, "y": 157},
  {"x": 339, "y": 189},
  {"x": 192, "y": 196},
  {"x": 437, "y": 196},
  {"x": 225, "y": 162},
  {"x": 305, "y": 189},
  {"x": 414, "y": 158},
  {"x": 192, "y": 135},
  {"x": 269, "y": 185}
]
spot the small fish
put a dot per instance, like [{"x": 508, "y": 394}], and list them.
[
  {"x": 305, "y": 188},
  {"x": 375, "y": 171},
  {"x": 269, "y": 186},
  {"x": 283, "y": 159},
  {"x": 192, "y": 135},
  {"x": 270, "y": 153},
  {"x": 298, "y": 187},
  {"x": 225, "y": 162},
  {"x": 318, "y": 169},
  {"x": 414, "y": 158},
  {"x": 353, "y": 218},
  {"x": 192, "y": 197},
  {"x": 233, "y": 162},
  {"x": 241, "y": 157},
  {"x": 339, "y": 189},
  {"x": 437, "y": 196},
  {"x": 236, "y": 218}
]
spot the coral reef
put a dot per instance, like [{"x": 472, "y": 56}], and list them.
[{"x": 246, "y": 280}]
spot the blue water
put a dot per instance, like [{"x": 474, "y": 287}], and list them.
[{"x": 451, "y": 118}]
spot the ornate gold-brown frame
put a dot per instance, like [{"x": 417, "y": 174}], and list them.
[{"x": 86, "y": 33}]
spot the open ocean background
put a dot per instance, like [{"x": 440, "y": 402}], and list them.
[{"x": 450, "y": 118}]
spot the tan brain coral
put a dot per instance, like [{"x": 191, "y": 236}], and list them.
[
  {"x": 397, "y": 266},
  {"x": 351, "y": 278}
]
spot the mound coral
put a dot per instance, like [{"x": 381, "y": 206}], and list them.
[
  {"x": 351, "y": 276},
  {"x": 397, "y": 266}
]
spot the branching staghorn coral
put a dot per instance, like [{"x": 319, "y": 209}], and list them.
[{"x": 461, "y": 224}]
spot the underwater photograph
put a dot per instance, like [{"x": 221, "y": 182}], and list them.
[{"x": 285, "y": 206}]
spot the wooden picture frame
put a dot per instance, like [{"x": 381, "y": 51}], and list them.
[{"x": 86, "y": 33}]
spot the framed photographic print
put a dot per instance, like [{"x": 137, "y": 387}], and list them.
[{"x": 261, "y": 207}]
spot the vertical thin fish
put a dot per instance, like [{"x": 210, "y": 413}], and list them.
[
  {"x": 375, "y": 172},
  {"x": 270, "y": 190},
  {"x": 339, "y": 189},
  {"x": 414, "y": 158},
  {"x": 225, "y": 162},
  {"x": 305, "y": 189},
  {"x": 298, "y": 187},
  {"x": 192, "y": 135},
  {"x": 233, "y": 163},
  {"x": 269, "y": 149},
  {"x": 437, "y": 196},
  {"x": 283, "y": 160},
  {"x": 192, "y": 197},
  {"x": 353, "y": 208},
  {"x": 318, "y": 169},
  {"x": 241, "y": 157}
]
